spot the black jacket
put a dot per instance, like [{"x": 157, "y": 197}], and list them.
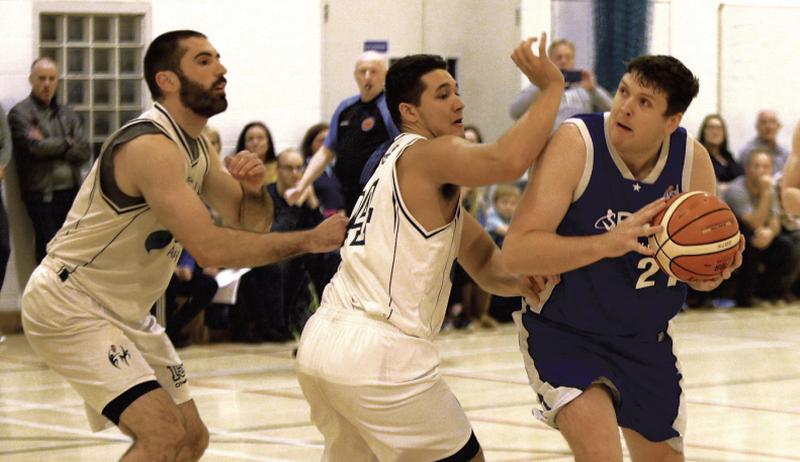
[{"x": 36, "y": 159}]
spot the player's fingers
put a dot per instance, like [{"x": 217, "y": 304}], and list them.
[
  {"x": 543, "y": 45},
  {"x": 648, "y": 230},
  {"x": 643, "y": 249}
]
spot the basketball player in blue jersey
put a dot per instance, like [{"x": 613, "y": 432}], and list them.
[
  {"x": 597, "y": 349},
  {"x": 86, "y": 308},
  {"x": 366, "y": 362}
]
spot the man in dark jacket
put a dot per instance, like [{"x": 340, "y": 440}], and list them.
[{"x": 50, "y": 147}]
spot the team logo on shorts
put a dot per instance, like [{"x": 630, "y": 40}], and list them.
[
  {"x": 118, "y": 355},
  {"x": 178, "y": 375},
  {"x": 367, "y": 124}
]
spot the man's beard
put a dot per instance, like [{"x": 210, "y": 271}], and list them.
[{"x": 200, "y": 100}]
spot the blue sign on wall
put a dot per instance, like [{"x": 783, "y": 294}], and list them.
[{"x": 381, "y": 46}]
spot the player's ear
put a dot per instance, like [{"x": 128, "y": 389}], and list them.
[
  {"x": 673, "y": 122},
  {"x": 408, "y": 112}
]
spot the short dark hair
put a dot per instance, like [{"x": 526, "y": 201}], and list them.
[
  {"x": 404, "y": 81},
  {"x": 164, "y": 54},
  {"x": 270, "y": 155},
  {"x": 668, "y": 75},
  {"x": 308, "y": 138}
]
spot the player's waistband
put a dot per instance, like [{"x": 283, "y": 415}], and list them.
[
  {"x": 57, "y": 267},
  {"x": 657, "y": 336}
]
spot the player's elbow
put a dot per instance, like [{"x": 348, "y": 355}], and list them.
[{"x": 511, "y": 256}]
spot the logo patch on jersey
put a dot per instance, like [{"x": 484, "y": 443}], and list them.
[
  {"x": 672, "y": 190},
  {"x": 157, "y": 240},
  {"x": 118, "y": 355},
  {"x": 178, "y": 375},
  {"x": 610, "y": 220},
  {"x": 367, "y": 124}
]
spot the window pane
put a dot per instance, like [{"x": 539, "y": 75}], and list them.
[
  {"x": 103, "y": 92},
  {"x": 129, "y": 29},
  {"x": 102, "y": 29},
  {"x": 103, "y": 123},
  {"x": 77, "y": 60},
  {"x": 76, "y": 29},
  {"x": 50, "y": 28},
  {"x": 129, "y": 61},
  {"x": 77, "y": 92},
  {"x": 84, "y": 116},
  {"x": 129, "y": 91},
  {"x": 125, "y": 116},
  {"x": 103, "y": 61}
]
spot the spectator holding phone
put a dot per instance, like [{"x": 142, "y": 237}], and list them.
[{"x": 581, "y": 92}]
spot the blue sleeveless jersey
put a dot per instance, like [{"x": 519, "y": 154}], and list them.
[{"x": 627, "y": 295}]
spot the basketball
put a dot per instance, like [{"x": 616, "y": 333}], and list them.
[{"x": 699, "y": 239}]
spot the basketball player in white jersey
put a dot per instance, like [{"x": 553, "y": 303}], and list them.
[
  {"x": 366, "y": 361},
  {"x": 85, "y": 309}
]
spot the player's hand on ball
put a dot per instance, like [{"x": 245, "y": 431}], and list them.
[
  {"x": 328, "y": 235},
  {"x": 711, "y": 284},
  {"x": 625, "y": 236},
  {"x": 246, "y": 168}
]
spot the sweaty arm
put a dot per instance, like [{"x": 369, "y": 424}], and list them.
[
  {"x": 151, "y": 166},
  {"x": 532, "y": 245},
  {"x": 239, "y": 206}
]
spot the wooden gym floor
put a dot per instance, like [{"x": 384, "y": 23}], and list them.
[{"x": 742, "y": 383}]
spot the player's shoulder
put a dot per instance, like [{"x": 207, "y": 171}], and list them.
[{"x": 149, "y": 146}]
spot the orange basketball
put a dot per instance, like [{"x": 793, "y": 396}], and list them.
[{"x": 700, "y": 237}]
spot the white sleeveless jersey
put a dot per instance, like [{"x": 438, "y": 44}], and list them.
[
  {"x": 112, "y": 246},
  {"x": 392, "y": 268}
]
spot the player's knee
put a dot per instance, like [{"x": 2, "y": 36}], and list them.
[
  {"x": 196, "y": 442},
  {"x": 162, "y": 443}
]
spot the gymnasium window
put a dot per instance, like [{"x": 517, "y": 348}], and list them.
[{"x": 100, "y": 60}]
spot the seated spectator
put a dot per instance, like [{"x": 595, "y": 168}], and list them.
[
  {"x": 212, "y": 135},
  {"x": 753, "y": 199},
  {"x": 256, "y": 138},
  {"x": 190, "y": 291},
  {"x": 274, "y": 300},
  {"x": 327, "y": 187},
  {"x": 714, "y": 137},
  {"x": 504, "y": 202},
  {"x": 767, "y": 127}
]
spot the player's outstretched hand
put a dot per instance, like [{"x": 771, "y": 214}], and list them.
[
  {"x": 246, "y": 168},
  {"x": 711, "y": 284},
  {"x": 539, "y": 69},
  {"x": 531, "y": 287},
  {"x": 624, "y": 237},
  {"x": 328, "y": 235}
]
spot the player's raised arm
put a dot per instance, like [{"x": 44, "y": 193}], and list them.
[
  {"x": 790, "y": 185},
  {"x": 452, "y": 160}
]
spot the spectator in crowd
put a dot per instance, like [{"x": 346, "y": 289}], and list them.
[
  {"x": 753, "y": 199},
  {"x": 714, "y": 137},
  {"x": 256, "y": 138},
  {"x": 504, "y": 201},
  {"x": 49, "y": 146},
  {"x": 274, "y": 299},
  {"x": 327, "y": 187},
  {"x": 580, "y": 96},
  {"x": 190, "y": 291},
  {"x": 767, "y": 127},
  {"x": 359, "y": 126},
  {"x": 212, "y": 135}
]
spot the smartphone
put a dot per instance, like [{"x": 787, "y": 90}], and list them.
[{"x": 572, "y": 76}]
